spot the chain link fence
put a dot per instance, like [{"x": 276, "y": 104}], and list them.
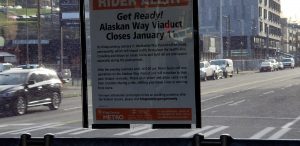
[{"x": 247, "y": 65}]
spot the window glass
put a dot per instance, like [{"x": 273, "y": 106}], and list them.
[{"x": 253, "y": 94}]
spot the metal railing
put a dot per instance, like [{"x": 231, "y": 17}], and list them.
[{"x": 196, "y": 140}]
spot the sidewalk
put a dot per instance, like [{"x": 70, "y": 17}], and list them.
[
  {"x": 245, "y": 72},
  {"x": 71, "y": 91}
]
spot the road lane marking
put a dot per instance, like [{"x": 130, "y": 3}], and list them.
[
  {"x": 217, "y": 106},
  {"x": 288, "y": 86},
  {"x": 212, "y": 98},
  {"x": 262, "y": 133},
  {"x": 268, "y": 92},
  {"x": 195, "y": 131},
  {"x": 247, "y": 84},
  {"x": 134, "y": 130},
  {"x": 289, "y": 124},
  {"x": 236, "y": 103},
  {"x": 250, "y": 88},
  {"x": 211, "y": 132},
  {"x": 1, "y": 126},
  {"x": 74, "y": 108},
  {"x": 85, "y": 130},
  {"x": 279, "y": 133},
  {"x": 18, "y": 130},
  {"x": 68, "y": 131},
  {"x": 21, "y": 124},
  {"x": 143, "y": 132},
  {"x": 36, "y": 129},
  {"x": 236, "y": 92},
  {"x": 245, "y": 117}
]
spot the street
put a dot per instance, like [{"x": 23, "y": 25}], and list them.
[{"x": 250, "y": 105}]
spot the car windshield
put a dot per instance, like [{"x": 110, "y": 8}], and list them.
[
  {"x": 286, "y": 60},
  {"x": 218, "y": 62},
  {"x": 13, "y": 78},
  {"x": 265, "y": 63},
  {"x": 201, "y": 65}
]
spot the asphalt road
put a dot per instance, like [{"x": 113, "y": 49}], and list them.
[{"x": 252, "y": 105}]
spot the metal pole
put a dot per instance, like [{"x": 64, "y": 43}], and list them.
[
  {"x": 221, "y": 30},
  {"x": 267, "y": 50},
  {"x": 84, "y": 89},
  {"x": 40, "y": 55},
  {"x": 241, "y": 57},
  {"x": 27, "y": 50},
  {"x": 229, "y": 39},
  {"x": 61, "y": 49},
  {"x": 227, "y": 36}
]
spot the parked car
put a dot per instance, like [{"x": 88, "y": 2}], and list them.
[
  {"x": 226, "y": 66},
  {"x": 280, "y": 66},
  {"x": 5, "y": 66},
  {"x": 288, "y": 62},
  {"x": 218, "y": 71},
  {"x": 274, "y": 63},
  {"x": 65, "y": 75},
  {"x": 24, "y": 88},
  {"x": 207, "y": 71},
  {"x": 266, "y": 66}
]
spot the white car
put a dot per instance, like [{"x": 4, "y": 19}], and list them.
[
  {"x": 266, "y": 66},
  {"x": 274, "y": 63},
  {"x": 208, "y": 71},
  {"x": 288, "y": 63}
]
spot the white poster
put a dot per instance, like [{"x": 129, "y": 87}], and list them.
[{"x": 142, "y": 61}]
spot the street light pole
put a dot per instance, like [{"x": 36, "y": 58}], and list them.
[
  {"x": 241, "y": 49},
  {"x": 61, "y": 49},
  {"x": 27, "y": 50},
  {"x": 228, "y": 35},
  {"x": 267, "y": 54},
  {"x": 221, "y": 30},
  {"x": 241, "y": 56},
  {"x": 40, "y": 55}
]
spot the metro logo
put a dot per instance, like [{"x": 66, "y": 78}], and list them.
[{"x": 126, "y": 4}]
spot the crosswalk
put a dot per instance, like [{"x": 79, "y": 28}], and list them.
[{"x": 209, "y": 131}]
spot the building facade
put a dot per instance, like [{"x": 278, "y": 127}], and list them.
[{"x": 250, "y": 29}]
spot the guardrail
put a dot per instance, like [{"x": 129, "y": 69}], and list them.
[{"x": 196, "y": 140}]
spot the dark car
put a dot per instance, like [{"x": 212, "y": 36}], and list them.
[
  {"x": 65, "y": 75},
  {"x": 24, "y": 88}
]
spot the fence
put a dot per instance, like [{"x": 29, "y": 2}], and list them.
[
  {"x": 75, "y": 72},
  {"x": 247, "y": 65}
]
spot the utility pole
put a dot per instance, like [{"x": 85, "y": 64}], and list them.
[
  {"x": 61, "y": 49},
  {"x": 40, "y": 53},
  {"x": 267, "y": 50},
  {"x": 221, "y": 30},
  {"x": 27, "y": 49},
  {"x": 228, "y": 36},
  {"x": 241, "y": 56}
]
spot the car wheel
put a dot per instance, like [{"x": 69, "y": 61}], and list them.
[
  {"x": 55, "y": 101},
  {"x": 231, "y": 74},
  {"x": 19, "y": 106}
]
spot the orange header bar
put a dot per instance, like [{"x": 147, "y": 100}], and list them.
[
  {"x": 143, "y": 114},
  {"x": 128, "y": 4}
]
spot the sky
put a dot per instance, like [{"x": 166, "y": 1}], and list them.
[{"x": 291, "y": 9}]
